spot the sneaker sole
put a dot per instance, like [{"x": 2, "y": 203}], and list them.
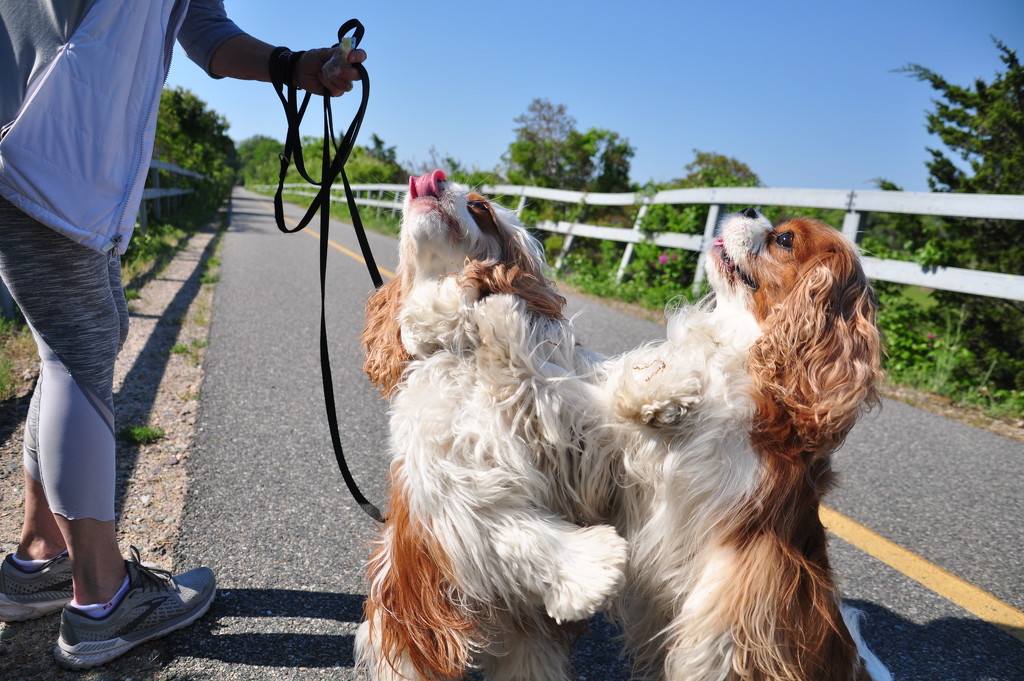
[
  {"x": 120, "y": 646},
  {"x": 17, "y": 611}
]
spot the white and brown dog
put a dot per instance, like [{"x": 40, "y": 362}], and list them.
[
  {"x": 718, "y": 443},
  {"x": 725, "y": 433},
  {"x": 481, "y": 559}
]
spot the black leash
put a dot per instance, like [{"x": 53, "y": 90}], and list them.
[{"x": 282, "y": 65}]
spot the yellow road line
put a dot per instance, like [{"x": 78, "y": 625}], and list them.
[
  {"x": 931, "y": 576},
  {"x": 352, "y": 254}
]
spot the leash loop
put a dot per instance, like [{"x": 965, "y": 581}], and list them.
[{"x": 330, "y": 169}]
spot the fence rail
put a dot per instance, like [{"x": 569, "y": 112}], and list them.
[
  {"x": 854, "y": 203},
  {"x": 156, "y": 198}
]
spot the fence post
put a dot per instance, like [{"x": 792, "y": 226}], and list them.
[
  {"x": 851, "y": 226},
  {"x": 143, "y": 217},
  {"x": 154, "y": 182},
  {"x": 569, "y": 238},
  {"x": 566, "y": 247},
  {"x": 628, "y": 255},
  {"x": 714, "y": 210},
  {"x": 851, "y": 221},
  {"x": 522, "y": 200}
]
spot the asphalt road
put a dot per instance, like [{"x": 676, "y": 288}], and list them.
[{"x": 268, "y": 510}]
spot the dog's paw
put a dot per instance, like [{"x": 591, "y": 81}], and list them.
[
  {"x": 668, "y": 412},
  {"x": 591, "y": 571},
  {"x": 659, "y": 408}
]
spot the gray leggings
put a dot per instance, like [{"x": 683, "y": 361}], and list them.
[{"x": 72, "y": 298}]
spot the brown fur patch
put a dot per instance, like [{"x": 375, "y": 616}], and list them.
[
  {"x": 411, "y": 596},
  {"x": 385, "y": 357},
  {"x": 540, "y": 296}
]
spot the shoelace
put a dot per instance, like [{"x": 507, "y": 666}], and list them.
[{"x": 154, "y": 579}]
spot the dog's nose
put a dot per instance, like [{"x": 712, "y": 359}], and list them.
[{"x": 750, "y": 213}]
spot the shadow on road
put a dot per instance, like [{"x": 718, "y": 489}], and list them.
[
  {"x": 292, "y": 645},
  {"x": 951, "y": 648}
]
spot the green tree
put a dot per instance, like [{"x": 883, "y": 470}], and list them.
[
  {"x": 536, "y": 156},
  {"x": 710, "y": 169},
  {"x": 981, "y": 128},
  {"x": 380, "y": 151},
  {"x": 550, "y": 152},
  {"x": 258, "y": 157},
  {"x": 261, "y": 163},
  {"x": 983, "y": 125},
  {"x": 191, "y": 136},
  {"x": 375, "y": 164},
  {"x": 194, "y": 137}
]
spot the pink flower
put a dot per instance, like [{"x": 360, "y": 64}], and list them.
[{"x": 663, "y": 258}]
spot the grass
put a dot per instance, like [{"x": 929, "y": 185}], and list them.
[
  {"x": 210, "y": 274},
  {"x": 8, "y": 385},
  {"x": 17, "y": 356},
  {"x": 191, "y": 350},
  {"x": 140, "y": 435}
]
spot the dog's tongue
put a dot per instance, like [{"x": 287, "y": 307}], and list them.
[{"x": 426, "y": 185}]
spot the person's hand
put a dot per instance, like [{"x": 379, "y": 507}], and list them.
[{"x": 309, "y": 73}]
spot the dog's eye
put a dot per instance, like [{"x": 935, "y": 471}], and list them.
[
  {"x": 481, "y": 213},
  {"x": 784, "y": 240}
]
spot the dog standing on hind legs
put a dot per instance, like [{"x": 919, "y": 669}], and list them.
[
  {"x": 481, "y": 560},
  {"x": 726, "y": 432}
]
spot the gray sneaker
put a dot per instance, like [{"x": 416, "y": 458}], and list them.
[
  {"x": 27, "y": 595},
  {"x": 156, "y": 604}
]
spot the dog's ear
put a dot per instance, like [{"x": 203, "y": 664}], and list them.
[
  {"x": 487, "y": 277},
  {"x": 385, "y": 357},
  {"x": 818, "y": 362},
  {"x": 521, "y": 271},
  {"x": 519, "y": 248}
]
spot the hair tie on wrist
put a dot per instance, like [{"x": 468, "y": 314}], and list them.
[
  {"x": 293, "y": 62},
  {"x": 280, "y": 66}
]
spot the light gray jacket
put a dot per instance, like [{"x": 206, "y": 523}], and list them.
[{"x": 80, "y": 84}]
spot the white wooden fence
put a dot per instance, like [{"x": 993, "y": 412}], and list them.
[
  {"x": 855, "y": 204},
  {"x": 159, "y": 198}
]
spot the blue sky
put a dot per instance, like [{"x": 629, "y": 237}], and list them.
[{"x": 804, "y": 92}]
